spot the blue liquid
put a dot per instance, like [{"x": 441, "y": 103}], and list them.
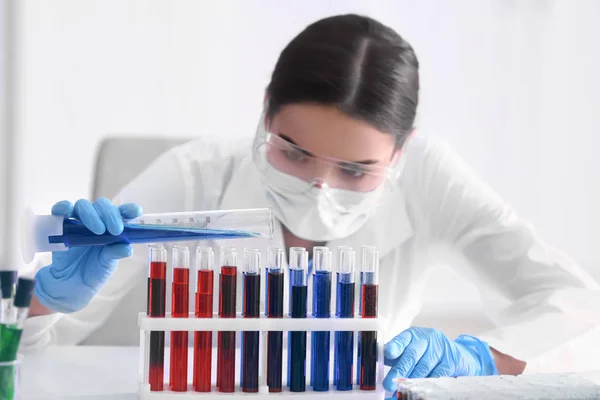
[
  {"x": 297, "y": 339},
  {"x": 274, "y": 309},
  {"x": 344, "y": 340},
  {"x": 75, "y": 234},
  {"x": 319, "y": 377},
  {"x": 322, "y": 294},
  {"x": 250, "y": 339}
]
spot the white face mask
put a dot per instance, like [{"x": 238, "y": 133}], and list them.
[{"x": 311, "y": 213}]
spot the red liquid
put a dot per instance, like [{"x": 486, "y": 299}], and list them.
[
  {"x": 179, "y": 340},
  {"x": 368, "y": 339},
  {"x": 369, "y": 301},
  {"x": 226, "y": 345},
  {"x": 203, "y": 340},
  {"x": 157, "y": 291},
  {"x": 226, "y": 362}
]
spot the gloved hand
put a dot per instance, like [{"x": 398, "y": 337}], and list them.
[
  {"x": 76, "y": 275},
  {"x": 426, "y": 352}
]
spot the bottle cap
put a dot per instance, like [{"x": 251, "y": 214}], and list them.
[{"x": 24, "y": 292}]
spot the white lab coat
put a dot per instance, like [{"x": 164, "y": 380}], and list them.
[{"x": 549, "y": 313}]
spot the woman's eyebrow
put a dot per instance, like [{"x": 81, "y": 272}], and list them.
[
  {"x": 366, "y": 162},
  {"x": 290, "y": 140}
]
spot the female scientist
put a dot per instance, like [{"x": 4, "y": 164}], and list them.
[{"x": 336, "y": 157}]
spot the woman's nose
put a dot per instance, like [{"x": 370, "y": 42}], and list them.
[
  {"x": 323, "y": 173},
  {"x": 319, "y": 184}
]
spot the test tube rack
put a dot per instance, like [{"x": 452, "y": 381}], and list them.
[{"x": 263, "y": 325}]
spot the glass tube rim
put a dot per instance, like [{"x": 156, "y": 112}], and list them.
[
  {"x": 302, "y": 258},
  {"x": 324, "y": 262},
  {"x": 180, "y": 256},
  {"x": 207, "y": 252},
  {"x": 249, "y": 267},
  {"x": 350, "y": 266},
  {"x": 157, "y": 252}
]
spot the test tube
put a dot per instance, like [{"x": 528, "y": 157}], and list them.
[
  {"x": 274, "y": 309},
  {"x": 45, "y": 233},
  {"x": 227, "y": 309},
  {"x": 365, "y": 254},
  {"x": 180, "y": 308},
  {"x": 368, "y": 339},
  {"x": 8, "y": 280},
  {"x": 157, "y": 292},
  {"x": 319, "y": 376},
  {"x": 11, "y": 330},
  {"x": 298, "y": 309},
  {"x": 205, "y": 261},
  {"x": 344, "y": 340},
  {"x": 251, "y": 307}
]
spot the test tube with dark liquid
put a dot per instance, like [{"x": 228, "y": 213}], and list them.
[
  {"x": 205, "y": 260},
  {"x": 319, "y": 376},
  {"x": 274, "y": 309},
  {"x": 180, "y": 308},
  {"x": 157, "y": 291},
  {"x": 298, "y": 309},
  {"x": 368, "y": 339},
  {"x": 251, "y": 306},
  {"x": 344, "y": 340},
  {"x": 227, "y": 309}
]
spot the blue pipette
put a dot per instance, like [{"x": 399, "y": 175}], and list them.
[{"x": 45, "y": 233}]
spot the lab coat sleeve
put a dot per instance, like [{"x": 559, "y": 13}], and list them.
[
  {"x": 551, "y": 318},
  {"x": 162, "y": 186}
]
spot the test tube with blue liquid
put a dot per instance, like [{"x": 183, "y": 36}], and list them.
[
  {"x": 298, "y": 265},
  {"x": 251, "y": 309},
  {"x": 344, "y": 340},
  {"x": 319, "y": 376},
  {"x": 274, "y": 309},
  {"x": 49, "y": 233}
]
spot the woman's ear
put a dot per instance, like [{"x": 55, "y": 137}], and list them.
[
  {"x": 396, "y": 156},
  {"x": 400, "y": 150}
]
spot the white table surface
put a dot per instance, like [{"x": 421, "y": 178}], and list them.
[
  {"x": 83, "y": 372},
  {"x": 94, "y": 373}
]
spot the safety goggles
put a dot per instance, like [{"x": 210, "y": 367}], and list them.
[{"x": 271, "y": 151}]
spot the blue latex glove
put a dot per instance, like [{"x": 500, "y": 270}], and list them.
[
  {"x": 76, "y": 275},
  {"x": 425, "y": 352}
]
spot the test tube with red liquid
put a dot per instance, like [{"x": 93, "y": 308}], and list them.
[
  {"x": 157, "y": 292},
  {"x": 227, "y": 309},
  {"x": 180, "y": 309},
  {"x": 205, "y": 261},
  {"x": 251, "y": 306},
  {"x": 369, "y": 275}
]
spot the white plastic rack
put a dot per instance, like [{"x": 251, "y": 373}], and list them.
[{"x": 263, "y": 325}]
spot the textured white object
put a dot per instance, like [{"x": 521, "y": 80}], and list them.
[{"x": 523, "y": 387}]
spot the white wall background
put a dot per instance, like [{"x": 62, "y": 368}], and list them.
[
  {"x": 513, "y": 85},
  {"x": 3, "y": 136}
]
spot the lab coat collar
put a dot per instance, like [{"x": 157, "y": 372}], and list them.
[{"x": 389, "y": 227}]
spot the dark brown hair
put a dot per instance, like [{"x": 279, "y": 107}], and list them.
[{"x": 354, "y": 63}]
